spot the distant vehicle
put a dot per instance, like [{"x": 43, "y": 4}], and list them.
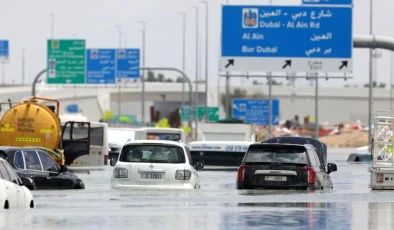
[
  {"x": 154, "y": 164},
  {"x": 13, "y": 192},
  {"x": 359, "y": 157},
  {"x": 169, "y": 134},
  {"x": 218, "y": 153},
  {"x": 279, "y": 165},
  {"x": 37, "y": 165},
  {"x": 117, "y": 137}
]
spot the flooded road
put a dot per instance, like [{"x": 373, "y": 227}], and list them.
[{"x": 217, "y": 205}]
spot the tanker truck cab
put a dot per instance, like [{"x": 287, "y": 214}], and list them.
[{"x": 36, "y": 124}]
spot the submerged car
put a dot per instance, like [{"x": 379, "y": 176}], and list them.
[
  {"x": 154, "y": 164},
  {"x": 34, "y": 163},
  {"x": 285, "y": 166},
  {"x": 359, "y": 157},
  {"x": 13, "y": 192}
]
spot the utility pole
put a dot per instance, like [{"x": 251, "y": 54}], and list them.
[
  {"x": 183, "y": 54},
  {"x": 119, "y": 77},
  {"x": 206, "y": 60},
  {"x": 143, "y": 31}
]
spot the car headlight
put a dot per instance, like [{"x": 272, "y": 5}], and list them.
[
  {"x": 120, "y": 173},
  {"x": 183, "y": 174}
]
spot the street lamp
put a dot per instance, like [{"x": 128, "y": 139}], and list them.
[
  {"x": 197, "y": 93},
  {"x": 143, "y": 31},
  {"x": 206, "y": 60},
  {"x": 183, "y": 53},
  {"x": 119, "y": 78}
]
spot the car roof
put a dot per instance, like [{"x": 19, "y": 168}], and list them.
[
  {"x": 221, "y": 142},
  {"x": 7, "y": 148},
  {"x": 282, "y": 144},
  {"x": 164, "y": 142},
  {"x": 319, "y": 146}
]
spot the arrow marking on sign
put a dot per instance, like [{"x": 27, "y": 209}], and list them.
[
  {"x": 344, "y": 64},
  {"x": 287, "y": 63},
  {"x": 230, "y": 62}
]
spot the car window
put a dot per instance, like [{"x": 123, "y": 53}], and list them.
[
  {"x": 189, "y": 155},
  {"x": 18, "y": 160},
  {"x": 319, "y": 161},
  {"x": 280, "y": 154},
  {"x": 153, "y": 153},
  {"x": 11, "y": 173},
  {"x": 312, "y": 158},
  {"x": 32, "y": 160},
  {"x": 48, "y": 163},
  {"x": 3, "y": 172}
]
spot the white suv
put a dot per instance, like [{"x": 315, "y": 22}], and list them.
[
  {"x": 13, "y": 194},
  {"x": 154, "y": 164}
]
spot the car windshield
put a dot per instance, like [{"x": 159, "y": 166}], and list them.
[
  {"x": 152, "y": 154},
  {"x": 268, "y": 154}
]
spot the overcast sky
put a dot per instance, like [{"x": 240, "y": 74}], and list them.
[{"x": 27, "y": 24}]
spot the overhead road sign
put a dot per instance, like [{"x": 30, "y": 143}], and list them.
[
  {"x": 128, "y": 63},
  {"x": 213, "y": 113},
  {"x": 66, "y": 61},
  {"x": 100, "y": 66},
  {"x": 255, "y": 111},
  {"x": 327, "y": 2},
  {"x": 286, "y": 38},
  {"x": 4, "y": 50}
]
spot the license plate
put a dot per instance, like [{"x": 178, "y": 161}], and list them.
[
  {"x": 151, "y": 176},
  {"x": 276, "y": 178}
]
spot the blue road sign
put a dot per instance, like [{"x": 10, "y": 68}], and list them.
[
  {"x": 4, "y": 49},
  {"x": 72, "y": 108},
  {"x": 100, "y": 66},
  {"x": 286, "y": 38},
  {"x": 128, "y": 63},
  {"x": 255, "y": 111},
  {"x": 327, "y": 2}
]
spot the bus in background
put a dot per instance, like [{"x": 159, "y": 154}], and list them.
[
  {"x": 117, "y": 137},
  {"x": 218, "y": 153},
  {"x": 85, "y": 143}
]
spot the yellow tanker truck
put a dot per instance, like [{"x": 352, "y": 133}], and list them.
[{"x": 30, "y": 123}]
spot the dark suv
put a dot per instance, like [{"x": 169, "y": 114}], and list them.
[{"x": 284, "y": 166}]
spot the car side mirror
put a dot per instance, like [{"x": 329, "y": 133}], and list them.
[
  {"x": 199, "y": 165},
  {"x": 113, "y": 161},
  {"x": 63, "y": 169},
  {"x": 331, "y": 168},
  {"x": 28, "y": 183}
]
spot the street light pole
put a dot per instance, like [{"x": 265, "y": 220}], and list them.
[
  {"x": 119, "y": 78},
  {"x": 143, "y": 74},
  {"x": 370, "y": 80},
  {"x": 197, "y": 93},
  {"x": 183, "y": 54},
  {"x": 391, "y": 81},
  {"x": 206, "y": 60},
  {"x": 52, "y": 26}
]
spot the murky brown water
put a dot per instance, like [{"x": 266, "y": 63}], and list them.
[{"x": 218, "y": 205}]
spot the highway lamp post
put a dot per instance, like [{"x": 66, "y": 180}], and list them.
[
  {"x": 23, "y": 66},
  {"x": 197, "y": 78},
  {"x": 269, "y": 99},
  {"x": 206, "y": 59},
  {"x": 183, "y": 54},
  {"x": 143, "y": 31},
  {"x": 228, "y": 103},
  {"x": 370, "y": 80},
  {"x": 391, "y": 81},
  {"x": 119, "y": 77}
]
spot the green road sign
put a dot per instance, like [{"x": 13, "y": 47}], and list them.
[
  {"x": 66, "y": 61},
  {"x": 213, "y": 113}
]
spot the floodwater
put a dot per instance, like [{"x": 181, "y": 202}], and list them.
[{"x": 217, "y": 205}]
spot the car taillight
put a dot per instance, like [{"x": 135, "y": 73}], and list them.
[
  {"x": 380, "y": 177},
  {"x": 241, "y": 172},
  {"x": 120, "y": 173},
  {"x": 183, "y": 174},
  {"x": 311, "y": 176}
]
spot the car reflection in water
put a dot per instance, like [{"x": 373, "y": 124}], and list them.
[{"x": 294, "y": 215}]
